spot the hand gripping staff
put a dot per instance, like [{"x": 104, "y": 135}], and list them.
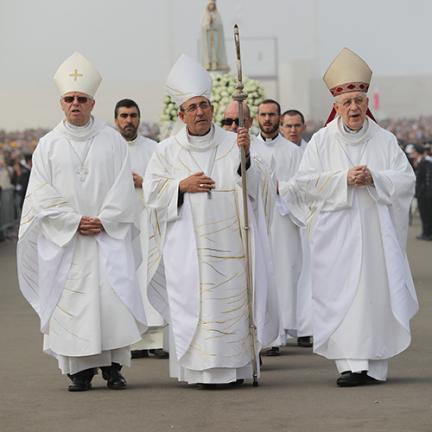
[{"x": 240, "y": 96}]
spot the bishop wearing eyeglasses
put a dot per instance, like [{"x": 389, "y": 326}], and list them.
[
  {"x": 357, "y": 186},
  {"x": 75, "y": 261},
  {"x": 194, "y": 176}
]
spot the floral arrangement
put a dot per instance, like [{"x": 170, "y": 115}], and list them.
[{"x": 223, "y": 89}]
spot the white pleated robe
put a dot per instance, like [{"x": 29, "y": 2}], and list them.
[
  {"x": 283, "y": 158},
  {"x": 83, "y": 288},
  {"x": 363, "y": 293},
  {"x": 204, "y": 257},
  {"x": 140, "y": 152}
]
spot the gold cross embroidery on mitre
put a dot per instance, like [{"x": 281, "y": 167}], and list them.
[{"x": 75, "y": 75}]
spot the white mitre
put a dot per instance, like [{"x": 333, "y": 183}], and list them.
[
  {"x": 77, "y": 74},
  {"x": 188, "y": 79},
  {"x": 348, "y": 72}
]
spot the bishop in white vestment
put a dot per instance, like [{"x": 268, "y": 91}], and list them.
[
  {"x": 194, "y": 175},
  {"x": 358, "y": 186},
  {"x": 75, "y": 260}
]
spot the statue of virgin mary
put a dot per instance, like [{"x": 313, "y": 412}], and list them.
[{"x": 212, "y": 43}]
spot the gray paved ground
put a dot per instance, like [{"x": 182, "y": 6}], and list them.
[{"x": 297, "y": 390}]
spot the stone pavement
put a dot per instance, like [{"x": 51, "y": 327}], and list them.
[{"x": 297, "y": 391}]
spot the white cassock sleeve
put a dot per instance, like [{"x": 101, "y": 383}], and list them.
[
  {"x": 394, "y": 187},
  {"x": 59, "y": 220},
  {"x": 312, "y": 189},
  {"x": 116, "y": 212}
]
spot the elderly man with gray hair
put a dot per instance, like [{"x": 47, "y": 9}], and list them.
[{"x": 353, "y": 189}]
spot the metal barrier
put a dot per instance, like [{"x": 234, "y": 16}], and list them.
[{"x": 8, "y": 212}]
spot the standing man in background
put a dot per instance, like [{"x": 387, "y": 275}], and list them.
[
  {"x": 283, "y": 158},
  {"x": 292, "y": 126},
  {"x": 423, "y": 191},
  {"x": 230, "y": 121},
  {"x": 127, "y": 117}
]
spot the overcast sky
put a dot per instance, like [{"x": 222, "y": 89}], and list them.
[{"x": 133, "y": 43}]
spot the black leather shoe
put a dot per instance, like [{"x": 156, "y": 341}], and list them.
[
  {"x": 304, "y": 341},
  {"x": 354, "y": 379},
  {"x": 351, "y": 379},
  {"x": 159, "y": 353},
  {"x": 113, "y": 377},
  {"x": 237, "y": 383},
  {"x": 272, "y": 352},
  {"x": 81, "y": 381},
  {"x": 203, "y": 386},
  {"x": 369, "y": 380},
  {"x": 135, "y": 354}
]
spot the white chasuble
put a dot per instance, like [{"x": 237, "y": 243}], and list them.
[
  {"x": 83, "y": 288},
  {"x": 204, "y": 258},
  {"x": 283, "y": 157},
  {"x": 363, "y": 293}
]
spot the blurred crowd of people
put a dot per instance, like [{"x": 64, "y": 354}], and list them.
[{"x": 16, "y": 148}]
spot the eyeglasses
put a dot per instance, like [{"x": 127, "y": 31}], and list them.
[
  {"x": 347, "y": 102},
  {"x": 295, "y": 126},
  {"x": 193, "y": 107},
  {"x": 80, "y": 99},
  {"x": 229, "y": 121}
]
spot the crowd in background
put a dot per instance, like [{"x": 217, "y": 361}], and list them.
[{"x": 16, "y": 148}]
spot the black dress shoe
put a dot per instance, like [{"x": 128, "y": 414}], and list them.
[
  {"x": 204, "y": 386},
  {"x": 237, "y": 382},
  {"x": 354, "y": 379},
  {"x": 81, "y": 381},
  {"x": 115, "y": 380},
  {"x": 272, "y": 352},
  {"x": 135, "y": 354},
  {"x": 159, "y": 353},
  {"x": 369, "y": 380},
  {"x": 304, "y": 341},
  {"x": 351, "y": 379}
]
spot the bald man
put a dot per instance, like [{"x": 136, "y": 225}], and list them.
[{"x": 230, "y": 121}]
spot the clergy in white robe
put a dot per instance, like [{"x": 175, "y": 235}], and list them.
[
  {"x": 358, "y": 186},
  {"x": 75, "y": 260},
  {"x": 127, "y": 119},
  {"x": 194, "y": 175},
  {"x": 283, "y": 158},
  {"x": 292, "y": 127}
]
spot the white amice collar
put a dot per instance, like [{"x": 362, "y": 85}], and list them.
[
  {"x": 350, "y": 136},
  {"x": 201, "y": 142},
  {"x": 80, "y": 133}
]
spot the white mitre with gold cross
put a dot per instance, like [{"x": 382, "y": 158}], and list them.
[
  {"x": 77, "y": 74},
  {"x": 188, "y": 79}
]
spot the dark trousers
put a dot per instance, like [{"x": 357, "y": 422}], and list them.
[{"x": 425, "y": 210}]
